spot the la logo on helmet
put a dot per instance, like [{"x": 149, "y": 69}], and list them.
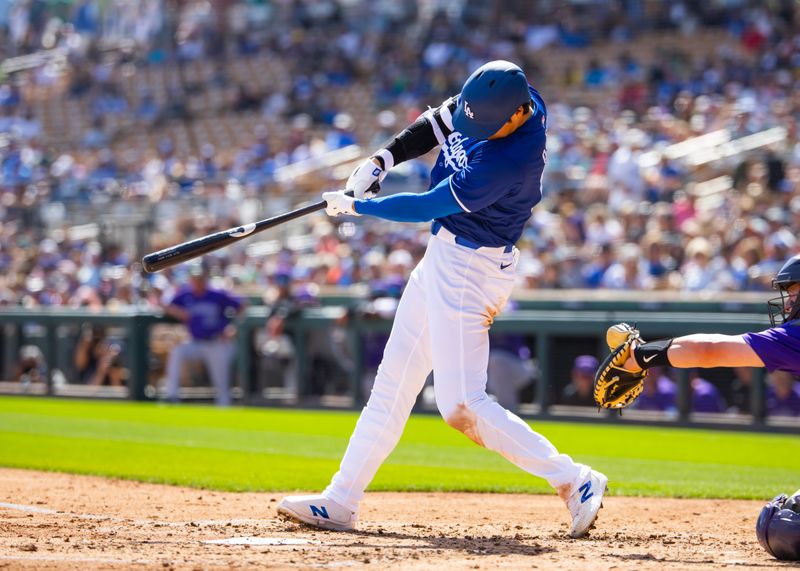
[{"x": 468, "y": 111}]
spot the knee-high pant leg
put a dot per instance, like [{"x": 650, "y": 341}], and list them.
[
  {"x": 465, "y": 293},
  {"x": 401, "y": 375}
]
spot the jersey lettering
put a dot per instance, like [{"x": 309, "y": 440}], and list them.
[
  {"x": 454, "y": 154},
  {"x": 544, "y": 160}
]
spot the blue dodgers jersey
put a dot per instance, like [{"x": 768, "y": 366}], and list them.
[{"x": 496, "y": 182}]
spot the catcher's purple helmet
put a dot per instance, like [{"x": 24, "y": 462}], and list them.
[
  {"x": 788, "y": 274},
  {"x": 778, "y": 527}
]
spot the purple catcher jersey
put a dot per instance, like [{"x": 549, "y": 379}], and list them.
[
  {"x": 496, "y": 182},
  {"x": 778, "y": 347}
]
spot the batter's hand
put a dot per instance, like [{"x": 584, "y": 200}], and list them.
[
  {"x": 364, "y": 177},
  {"x": 339, "y": 204}
]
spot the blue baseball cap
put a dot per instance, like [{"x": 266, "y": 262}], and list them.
[{"x": 490, "y": 96}]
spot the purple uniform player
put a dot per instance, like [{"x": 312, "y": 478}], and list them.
[
  {"x": 776, "y": 348},
  {"x": 207, "y": 313}
]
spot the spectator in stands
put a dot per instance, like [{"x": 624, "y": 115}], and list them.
[
  {"x": 97, "y": 359},
  {"x": 579, "y": 391},
  {"x": 600, "y": 261},
  {"x": 596, "y": 75},
  {"x": 246, "y": 99},
  {"x": 628, "y": 272},
  {"x": 624, "y": 169},
  {"x": 783, "y": 395},
  {"x": 208, "y": 314},
  {"x": 342, "y": 133},
  {"x": 703, "y": 272},
  {"x": 96, "y": 136},
  {"x": 148, "y": 110}
]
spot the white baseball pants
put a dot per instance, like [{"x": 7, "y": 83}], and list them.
[
  {"x": 216, "y": 354},
  {"x": 442, "y": 323}
]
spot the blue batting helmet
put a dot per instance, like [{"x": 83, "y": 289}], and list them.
[
  {"x": 778, "y": 527},
  {"x": 490, "y": 96}
]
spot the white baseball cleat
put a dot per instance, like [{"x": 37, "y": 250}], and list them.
[
  {"x": 585, "y": 500},
  {"x": 318, "y": 511}
]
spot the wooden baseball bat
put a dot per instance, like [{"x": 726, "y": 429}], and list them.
[{"x": 168, "y": 257}]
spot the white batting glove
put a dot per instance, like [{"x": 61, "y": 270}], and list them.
[
  {"x": 339, "y": 204},
  {"x": 365, "y": 175}
]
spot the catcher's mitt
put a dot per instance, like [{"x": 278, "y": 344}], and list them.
[{"x": 615, "y": 386}]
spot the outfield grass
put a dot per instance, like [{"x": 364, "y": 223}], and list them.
[{"x": 281, "y": 450}]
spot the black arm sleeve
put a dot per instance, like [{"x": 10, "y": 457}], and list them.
[{"x": 430, "y": 130}]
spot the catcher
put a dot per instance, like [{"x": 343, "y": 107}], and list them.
[
  {"x": 778, "y": 527},
  {"x": 620, "y": 378}
]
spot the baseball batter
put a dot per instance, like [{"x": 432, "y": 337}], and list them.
[
  {"x": 486, "y": 179},
  {"x": 776, "y": 348}
]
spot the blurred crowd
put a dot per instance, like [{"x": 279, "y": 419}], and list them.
[
  {"x": 625, "y": 205},
  {"x": 621, "y": 211}
]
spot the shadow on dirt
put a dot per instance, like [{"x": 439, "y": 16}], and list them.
[{"x": 472, "y": 544}]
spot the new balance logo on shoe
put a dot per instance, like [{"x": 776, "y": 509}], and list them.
[
  {"x": 585, "y": 491},
  {"x": 322, "y": 512}
]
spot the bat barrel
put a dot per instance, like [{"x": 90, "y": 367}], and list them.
[{"x": 175, "y": 255}]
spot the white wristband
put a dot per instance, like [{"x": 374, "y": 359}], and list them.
[{"x": 388, "y": 159}]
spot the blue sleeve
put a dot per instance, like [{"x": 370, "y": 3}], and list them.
[
  {"x": 410, "y": 207},
  {"x": 488, "y": 177}
]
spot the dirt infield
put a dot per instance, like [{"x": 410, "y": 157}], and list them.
[{"x": 59, "y": 521}]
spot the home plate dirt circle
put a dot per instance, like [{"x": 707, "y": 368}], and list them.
[{"x": 60, "y": 521}]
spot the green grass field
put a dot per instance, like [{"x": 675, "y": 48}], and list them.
[{"x": 281, "y": 450}]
